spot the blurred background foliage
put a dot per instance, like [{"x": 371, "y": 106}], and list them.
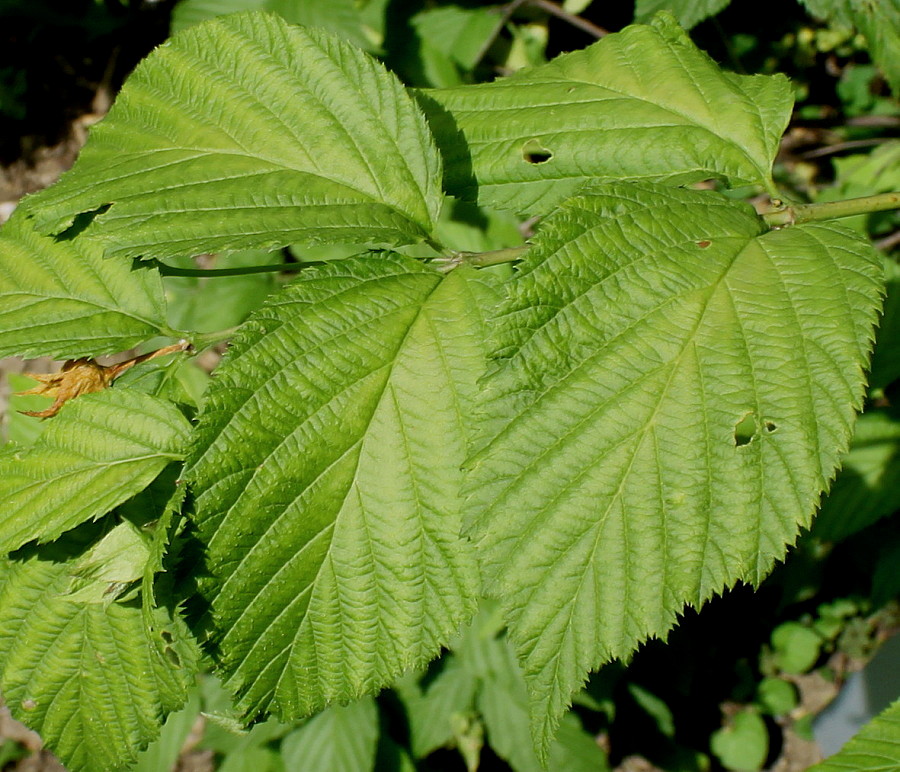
[{"x": 740, "y": 683}]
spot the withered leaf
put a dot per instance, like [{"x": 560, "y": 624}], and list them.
[{"x": 83, "y": 376}]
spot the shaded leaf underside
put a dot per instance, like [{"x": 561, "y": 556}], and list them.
[
  {"x": 250, "y": 132},
  {"x": 327, "y": 475},
  {"x": 677, "y": 388}
]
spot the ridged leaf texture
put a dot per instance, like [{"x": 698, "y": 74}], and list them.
[
  {"x": 676, "y": 387},
  {"x": 84, "y": 675},
  {"x": 100, "y": 450},
  {"x": 641, "y": 103},
  {"x": 246, "y": 131},
  {"x": 875, "y": 749},
  {"x": 327, "y": 481},
  {"x": 62, "y": 299}
]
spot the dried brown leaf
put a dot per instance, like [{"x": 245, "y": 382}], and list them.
[{"x": 83, "y": 376}]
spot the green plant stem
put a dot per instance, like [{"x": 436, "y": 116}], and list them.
[
  {"x": 204, "y": 340},
  {"x": 171, "y": 270},
  {"x": 831, "y": 210},
  {"x": 481, "y": 259}
]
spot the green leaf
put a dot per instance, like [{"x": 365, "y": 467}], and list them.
[
  {"x": 796, "y": 647},
  {"x": 105, "y": 570},
  {"x": 688, "y": 13},
  {"x": 886, "y": 357},
  {"x": 84, "y": 675},
  {"x": 866, "y": 489},
  {"x": 875, "y": 749},
  {"x": 450, "y": 42},
  {"x": 743, "y": 744},
  {"x": 327, "y": 476},
  {"x": 342, "y": 738},
  {"x": 99, "y": 451},
  {"x": 249, "y": 132},
  {"x": 22, "y": 429},
  {"x": 163, "y": 753},
  {"x": 647, "y": 327},
  {"x": 776, "y": 696},
  {"x": 655, "y": 708},
  {"x": 61, "y": 299},
  {"x": 641, "y": 103},
  {"x": 436, "y": 711},
  {"x": 502, "y": 699}
]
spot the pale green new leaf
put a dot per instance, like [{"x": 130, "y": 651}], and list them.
[
  {"x": 246, "y": 131},
  {"x": 641, "y": 103},
  {"x": 342, "y": 738},
  {"x": 100, "y": 450},
  {"x": 875, "y": 749},
  {"x": 678, "y": 387},
  {"x": 83, "y": 675},
  {"x": 62, "y": 299},
  {"x": 327, "y": 477},
  {"x": 689, "y": 13}
]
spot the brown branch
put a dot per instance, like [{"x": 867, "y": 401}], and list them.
[{"x": 576, "y": 21}]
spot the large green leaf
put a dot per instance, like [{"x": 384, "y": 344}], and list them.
[
  {"x": 689, "y": 13},
  {"x": 642, "y": 103},
  {"x": 678, "y": 387},
  {"x": 99, "y": 451},
  {"x": 875, "y": 749},
  {"x": 327, "y": 476},
  {"x": 84, "y": 675},
  {"x": 245, "y": 132},
  {"x": 61, "y": 299}
]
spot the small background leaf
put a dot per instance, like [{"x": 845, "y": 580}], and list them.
[
  {"x": 878, "y": 20},
  {"x": 688, "y": 13},
  {"x": 344, "y": 18},
  {"x": 244, "y": 132},
  {"x": 62, "y": 299},
  {"x": 342, "y": 738},
  {"x": 866, "y": 487},
  {"x": 743, "y": 744}
]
